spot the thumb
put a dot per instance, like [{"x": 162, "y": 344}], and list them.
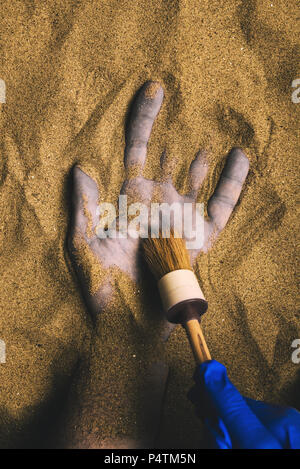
[
  {"x": 84, "y": 203},
  {"x": 245, "y": 430}
]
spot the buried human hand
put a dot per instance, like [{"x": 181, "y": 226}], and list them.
[{"x": 100, "y": 253}]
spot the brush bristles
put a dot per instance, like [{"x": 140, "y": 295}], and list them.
[{"x": 165, "y": 255}]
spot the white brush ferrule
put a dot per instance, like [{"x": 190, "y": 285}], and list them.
[{"x": 179, "y": 285}]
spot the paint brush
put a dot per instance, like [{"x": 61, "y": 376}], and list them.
[{"x": 180, "y": 292}]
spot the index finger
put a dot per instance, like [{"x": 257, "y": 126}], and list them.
[
  {"x": 229, "y": 187},
  {"x": 144, "y": 110}
]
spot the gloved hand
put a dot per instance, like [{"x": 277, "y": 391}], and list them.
[{"x": 234, "y": 421}]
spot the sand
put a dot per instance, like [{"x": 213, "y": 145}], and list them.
[{"x": 71, "y": 70}]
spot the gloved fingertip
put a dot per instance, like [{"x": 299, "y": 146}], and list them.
[{"x": 210, "y": 373}]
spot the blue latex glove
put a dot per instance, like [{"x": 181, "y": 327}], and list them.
[{"x": 234, "y": 421}]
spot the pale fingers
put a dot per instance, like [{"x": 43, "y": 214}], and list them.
[
  {"x": 228, "y": 190},
  {"x": 84, "y": 204},
  {"x": 197, "y": 173},
  {"x": 144, "y": 110}
]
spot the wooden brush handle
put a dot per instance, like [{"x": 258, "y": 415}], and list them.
[{"x": 197, "y": 341}]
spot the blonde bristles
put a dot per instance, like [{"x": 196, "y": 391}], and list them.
[{"x": 164, "y": 255}]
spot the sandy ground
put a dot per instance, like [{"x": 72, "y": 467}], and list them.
[{"x": 71, "y": 70}]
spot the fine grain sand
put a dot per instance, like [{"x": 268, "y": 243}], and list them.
[{"x": 71, "y": 69}]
